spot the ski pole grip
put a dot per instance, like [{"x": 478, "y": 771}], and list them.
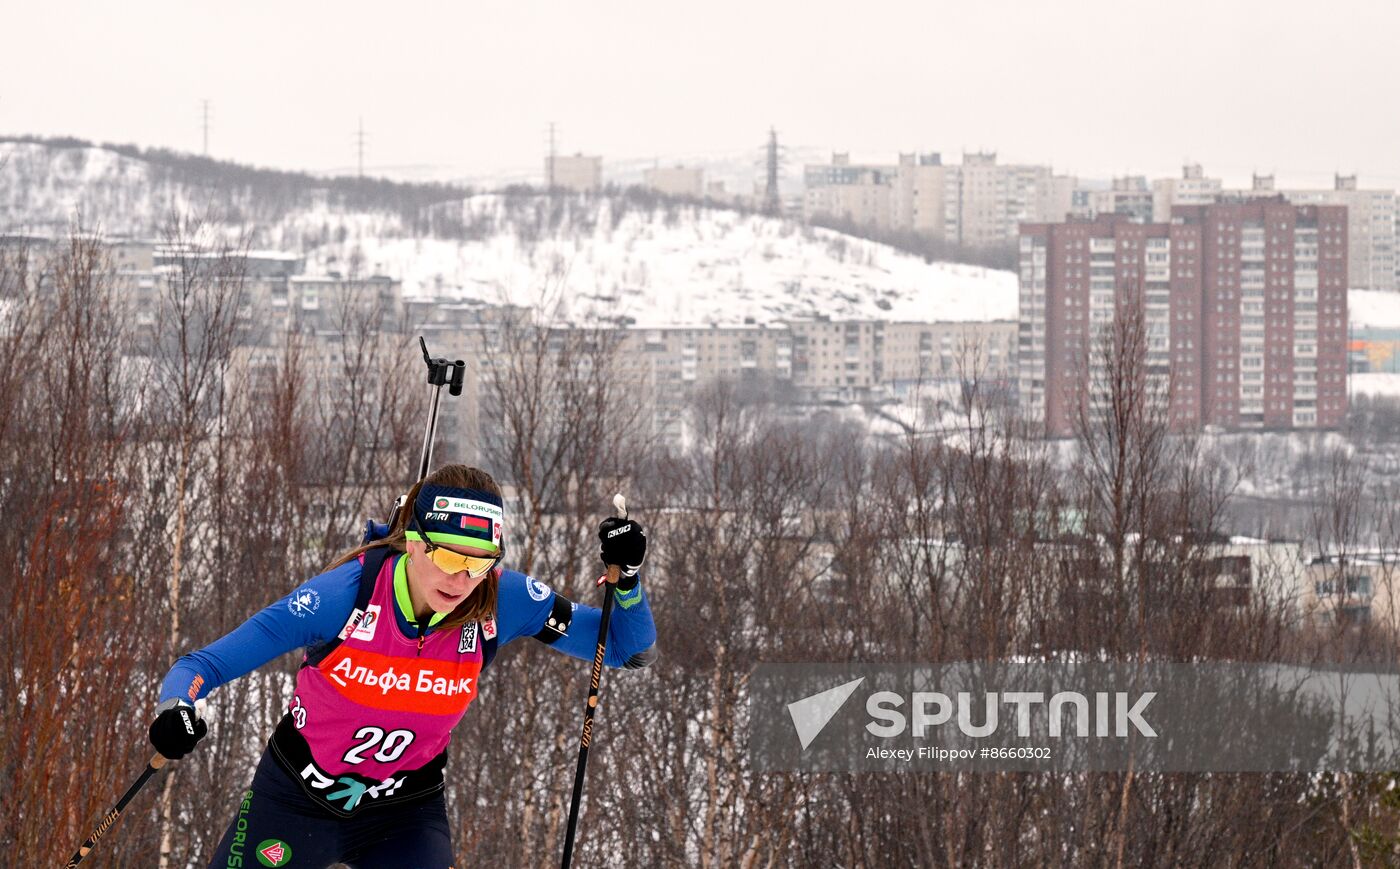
[
  {"x": 615, "y": 570},
  {"x": 454, "y": 383}
]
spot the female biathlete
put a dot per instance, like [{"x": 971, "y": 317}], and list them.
[{"x": 396, "y": 634}]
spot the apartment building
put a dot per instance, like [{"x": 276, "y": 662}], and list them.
[
  {"x": 1243, "y": 304},
  {"x": 919, "y": 194},
  {"x": 1371, "y": 229},
  {"x": 578, "y": 173},
  {"x": 806, "y": 360},
  {"x": 1373, "y": 256},
  {"x": 1192, "y": 188},
  {"x": 1129, "y": 196},
  {"x": 1353, "y": 588},
  {"x": 986, "y": 202},
  {"x": 815, "y": 360},
  {"x": 914, "y": 354},
  {"x": 860, "y": 193},
  {"x": 671, "y": 363},
  {"x": 836, "y": 359},
  {"x": 321, "y": 302},
  {"x": 675, "y": 181},
  {"x": 1374, "y": 348},
  {"x": 977, "y": 203},
  {"x": 131, "y": 255}
]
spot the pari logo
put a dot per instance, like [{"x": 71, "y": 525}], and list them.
[{"x": 1063, "y": 714}]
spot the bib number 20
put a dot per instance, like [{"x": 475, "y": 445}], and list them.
[{"x": 391, "y": 745}]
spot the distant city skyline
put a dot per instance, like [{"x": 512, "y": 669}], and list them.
[{"x": 1293, "y": 89}]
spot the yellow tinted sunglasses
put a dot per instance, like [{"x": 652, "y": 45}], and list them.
[{"x": 455, "y": 562}]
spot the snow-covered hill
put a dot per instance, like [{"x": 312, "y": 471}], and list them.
[
  {"x": 604, "y": 258},
  {"x": 633, "y": 257},
  {"x": 45, "y": 189}
]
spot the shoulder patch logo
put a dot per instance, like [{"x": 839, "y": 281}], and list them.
[
  {"x": 488, "y": 629},
  {"x": 467, "y": 644},
  {"x": 537, "y": 589},
  {"x": 304, "y": 602}
]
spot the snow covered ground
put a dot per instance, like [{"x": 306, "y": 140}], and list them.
[
  {"x": 686, "y": 265},
  {"x": 1376, "y": 383},
  {"x": 1374, "y": 309}
]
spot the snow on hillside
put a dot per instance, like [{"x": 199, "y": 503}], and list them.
[
  {"x": 681, "y": 264},
  {"x": 1375, "y": 309},
  {"x": 585, "y": 258},
  {"x": 47, "y": 188}
]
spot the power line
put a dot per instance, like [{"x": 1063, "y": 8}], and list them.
[
  {"x": 360, "y": 149},
  {"x": 772, "y": 201},
  {"x": 552, "y": 153}
]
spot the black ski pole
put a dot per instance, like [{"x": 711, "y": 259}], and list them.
[
  {"x": 440, "y": 373},
  {"x": 110, "y": 818},
  {"x": 613, "y": 571}
]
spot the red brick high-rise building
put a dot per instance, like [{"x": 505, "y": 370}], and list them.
[{"x": 1243, "y": 303}]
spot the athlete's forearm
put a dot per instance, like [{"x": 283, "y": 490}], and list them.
[{"x": 631, "y": 631}]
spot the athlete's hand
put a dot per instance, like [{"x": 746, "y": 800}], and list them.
[
  {"x": 624, "y": 544},
  {"x": 176, "y": 729}
]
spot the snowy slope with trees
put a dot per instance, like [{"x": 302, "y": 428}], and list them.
[
  {"x": 629, "y": 256},
  {"x": 650, "y": 261}
]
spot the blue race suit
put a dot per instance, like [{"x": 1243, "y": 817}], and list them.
[{"x": 291, "y": 812}]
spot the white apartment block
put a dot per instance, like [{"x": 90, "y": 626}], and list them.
[
  {"x": 1129, "y": 195},
  {"x": 978, "y": 203},
  {"x": 1371, "y": 230},
  {"x": 920, "y": 188},
  {"x": 917, "y": 353},
  {"x": 986, "y": 202},
  {"x": 860, "y": 193},
  {"x": 1373, "y": 262},
  {"x": 675, "y": 181},
  {"x": 675, "y": 360},
  {"x": 856, "y": 359},
  {"x": 579, "y": 173},
  {"x": 813, "y": 360},
  {"x": 1192, "y": 188}
]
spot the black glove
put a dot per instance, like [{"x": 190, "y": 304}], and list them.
[
  {"x": 624, "y": 543},
  {"x": 176, "y": 729}
]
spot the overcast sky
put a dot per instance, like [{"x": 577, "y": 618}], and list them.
[{"x": 1097, "y": 88}]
